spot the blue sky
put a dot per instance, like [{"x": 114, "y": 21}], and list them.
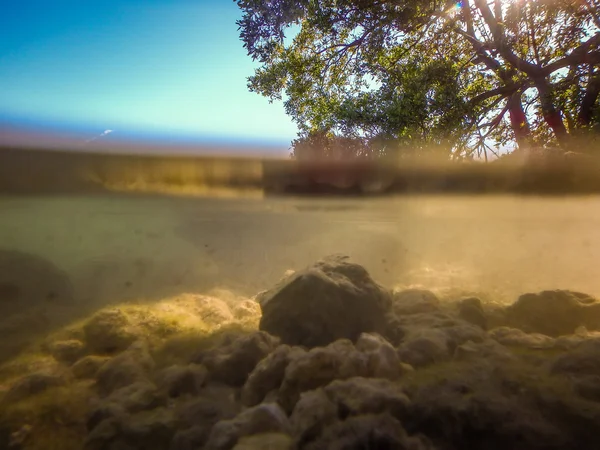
[{"x": 140, "y": 68}]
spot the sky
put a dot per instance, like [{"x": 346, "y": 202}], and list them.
[{"x": 127, "y": 69}]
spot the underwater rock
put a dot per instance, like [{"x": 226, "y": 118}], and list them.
[
  {"x": 264, "y": 418},
  {"x": 470, "y": 351},
  {"x": 425, "y": 347},
  {"x": 584, "y": 359},
  {"x": 415, "y": 301},
  {"x": 139, "y": 396},
  {"x": 180, "y": 380},
  {"x": 270, "y": 441},
  {"x": 197, "y": 416},
  {"x": 456, "y": 330},
  {"x": 471, "y": 310},
  {"x": 516, "y": 337},
  {"x": 381, "y": 358},
  {"x": 132, "y": 365},
  {"x": 329, "y": 300},
  {"x": 148, "y": 430},
  {"x": 246, "y": 309},
  {"x": 588, "y": 386},
  {"x": 102, "y": 411},
  {"x": 319, "y": 367},
  {"x": 213, "y": 311},
  {"x": 268, "y": 374},
  {"x": 103, "y": 434},
  {"x": 67, "y": 351},
  {"x": 88, "y": 366},
  {"x": 34, "y": 383},
  {"x": 483, "y": 405},
  {"x": 366, "y": 432},
  {"x": 109, "y": 331},
  {"x": 358, "y": 396},
  {"x": 313, "y": 412},
  {"x": 554, "y": 313},
  {"x": 233, "y": 363}
]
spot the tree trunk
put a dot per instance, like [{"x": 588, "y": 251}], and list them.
[
  {"x": 551, "y": 115},
  {"x": 518, "y": 121},
  {"x": 586, "y": 111}
]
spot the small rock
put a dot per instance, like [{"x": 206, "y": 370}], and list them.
[
  {"x": 67, "y": 351},
  {"x": 471, "y": 351},
  {"x": 233, "y": 363},
  {"x": 197, "y": 416},
  {"x": 382, "y": 358},
  {"x": 554, "y": 313},
  {"x": 102, "y": 411},
  {"x": 515, "y": 337},
  {"x": 181, "y": 380},
  {"x": 264, "y": 418},
  {"x": 588, "y": 386},
  {"x": 88, "y": 366},
  {"x": 319, "y": 367},
  {"x": 369, "y": 432},
  {"x": 213, "y": 311},
  {"x": 139, "y": 396},
  {"x": 424, "y": 348},
  {"x": 330, "y": 300},
  {"x": 311, "y": 415},
  {"x": 101, "y": 436},
  {"x": 470, "y": 310},
  {"x": 33, "y": 384},
  {"x": 415, "y": 301},
  {"x": 265, "y": 441},
  {"x": 246, "y": 309},
  {"x": 150, "y": 430},
  {"x": 582, "y": 360},
  {"x": 358, "y": 396},
  {"x": 268, "y": 374},
  {"x": 18, "y": 438},
  {"x": 131, "y": 366},
  {"x": 109, "y": 331}
]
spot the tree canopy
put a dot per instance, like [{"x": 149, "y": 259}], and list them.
[{"x": 428, "y": 75}]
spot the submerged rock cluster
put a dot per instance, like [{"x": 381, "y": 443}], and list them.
[{"x": 327, "y": 359}]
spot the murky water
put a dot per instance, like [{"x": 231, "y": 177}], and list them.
[{"x": 115, "y": 248}]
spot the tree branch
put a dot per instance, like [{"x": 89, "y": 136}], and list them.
[{"x": 580, "y": 55}]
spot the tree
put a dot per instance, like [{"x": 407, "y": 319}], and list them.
[{"x": 392, "y": 73}]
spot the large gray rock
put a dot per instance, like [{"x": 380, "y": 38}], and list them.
[
  {"x": 330, "y": 300},
  {"x": 554, "y": 313}
]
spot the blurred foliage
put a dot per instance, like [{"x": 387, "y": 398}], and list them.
[{"x": 383, "y": 78}]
